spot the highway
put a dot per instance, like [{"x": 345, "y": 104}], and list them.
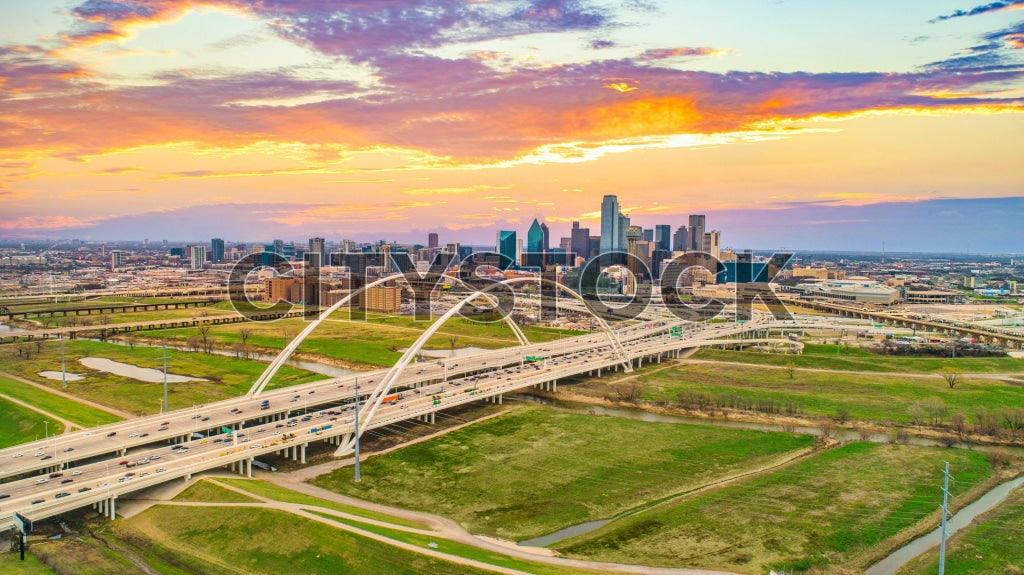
[{"x": 93, "y": 465}]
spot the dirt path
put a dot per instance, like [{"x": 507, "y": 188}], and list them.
[
  {"x": 93, "y": 404},
  {"x": 443, "y": 528},
  {"x": 68, "y": 426}
]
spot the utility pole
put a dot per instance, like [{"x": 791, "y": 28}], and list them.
[
  {"x": 166, "y": 407},
  {"x": 63, "y": 369},
  {"x": 357, "y": 429},
  {"x": 945, "y": 512}
]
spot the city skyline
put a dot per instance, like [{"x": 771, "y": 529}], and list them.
[{"x": 826, "y": 126}]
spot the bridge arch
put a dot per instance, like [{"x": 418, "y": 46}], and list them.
[
  {"x": 261, "y": 382},
  {"x": 375, "y": 398}
]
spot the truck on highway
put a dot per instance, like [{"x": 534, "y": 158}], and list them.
[
  {"x": 265, "y": 404},
  {"x": 391, "y": 398}
]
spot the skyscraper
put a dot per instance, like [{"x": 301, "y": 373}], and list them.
[
  {"x": 197, "y": 257},
  {"x": 317, "y": 254},
  {"x": 535, "y": 238},
  {"x": 648, "y": 235},
  {"x": 217, "y": 249},
  {"x": 680, "y": 239},
  {"x": 623, "y": 226},
  {"x": 610, "y": 225},
  {"x": 506, "y": 244},
  {"x": 696, "y": 233},
  {"x": 663, "y": 237},
  {"x": 432, "y": 240},
  {"x": 546, "y": 241},
  {"x": 580, "y": 240}
]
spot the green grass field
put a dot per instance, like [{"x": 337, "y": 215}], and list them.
[
  {"x": 11, "y": 564},
  {"x": 461, "y": 549},
  {"x": 203, "y": 491},
  {"x": 822, "y": 512},
  {"x": 271, "y": 491},
  {"x": 65, "y": 408},
  {"x": 374, "y": 342},
  {"x": 864, "y": 396},
  {"x": 818, "y": 356},
  {"x": 992, "y": 545},
  {"x": 225, "y": 376},
  {"x": 217, "y": 540},
  {"x": 535, "y": 470},
  {"x": 20, "y": 424}
]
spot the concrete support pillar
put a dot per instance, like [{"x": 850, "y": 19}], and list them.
[
  {"x": 248, "y": 467},
  {"x": 303, "y": 460},
  {"x": 432, "y": 413},
  {"x": 113, "y": 507},
  {"x": 554, "y": 385},
  {"x": 500, "y": 398}
]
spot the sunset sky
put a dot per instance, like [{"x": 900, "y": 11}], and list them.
[{"x": 791, "y": 123}]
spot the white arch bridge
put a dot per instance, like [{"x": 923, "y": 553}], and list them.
[{"x": 285, "y": 420}]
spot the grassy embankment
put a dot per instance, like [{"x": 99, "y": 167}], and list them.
[
  {"x": 535, "y": 470},
  {"x": 19, "y": 424},
  {"x": 55, "y": 404},
  {"x": 883, "y": 398},
  {"x": 224, "y": 377},
  {"x": 828, "y": 512}
]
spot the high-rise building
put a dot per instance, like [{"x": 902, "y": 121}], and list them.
[
  {"x": 680, "y": 239},
  {"x": 278, "y": 247},
  {"x": 663, "y": 237},
  {"x": 217, "y": 250},
  {"x": 506, "y": 245},
  {"x": 580, "y": 240},
  {"x": 535, "y": 238},
  {"x": 197, "y": 257},
  {"x": 623, "y": 226},
  {"x": 118, "y": 258},
  {"x": 432, "y": 240},
  {"x": 610, "y": 224},
  {"x": 648, "y": 235},
  {"x": 713, "y": 242},
  {"x": 546, "y": 235},
  {"x": 696, "y": 233},
  {"x": 317, "y": 254}
]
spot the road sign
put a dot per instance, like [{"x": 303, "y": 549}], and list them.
[{"x": 24, "y": 524}]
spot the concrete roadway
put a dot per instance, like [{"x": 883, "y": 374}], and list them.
[{"x": 98, "y": 474}]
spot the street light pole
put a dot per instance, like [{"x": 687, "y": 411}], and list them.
[
  {"x": 165, "y": 377},
  {"x": 357, "y": 429},
  {"x": 63, "y": 370},
  {"x": 46, "y": 427}
]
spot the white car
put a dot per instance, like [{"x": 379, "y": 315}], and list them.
[
  {"x": 19, "y": 454},
  {"x": 41, "y": 480},
  {"x": 161, "y": 470},
  {"x": 76, "y": 472}
]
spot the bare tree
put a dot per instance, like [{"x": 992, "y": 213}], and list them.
[
  {"x": 239, "y": 349},
  {"x": 39, "y": 346},
  {"x": 130, "y": 340},
  {"x": 452, "y": 340},
  {"x": 244, "y": 334},
  {"x": 791, "y": 371},
  {"x": 917, "y": 413},
  {"x": 935, "y": 409},
  {"x": 204, "y": 336},
  {"x": 958, "y": 423},
  {"x": 103, "y": 319},
  {"x": 952, "y": 376},
  {"x": 193, "y": 342},
  {"x": 827, "y": 427},
  {"x": 864, "y": 433}
]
